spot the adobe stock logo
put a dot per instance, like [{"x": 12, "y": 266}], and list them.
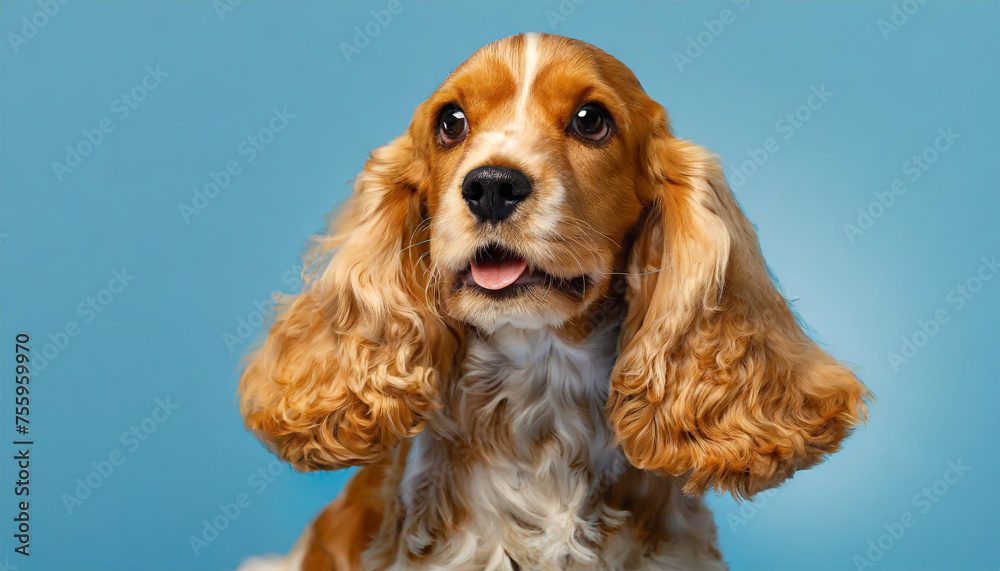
[
  {"x": 957, "y": 297},
  {"x": 787, "y": 127},
  {"x": 713, "y": 30},
  {"x": 31, "y": 26},
  {"x": 565, "y": 9},
  {"x": 122, "y": 108},
  {"x": 213, "y": 526},
  {"x": 247, "y": 325},
  {"x": 897, "y": 528},
  {"x": 249, "y": 148},
  {"x": 88, "y": 309},
  {"x": 224, "y": 7},
  {"x": 900, "y": 15},
  {"x": 749, "y": 510},
  {"x": 363, "y": 35},
  {"x": 105, "y": 467},
  {"x": 912, "y": 169}
]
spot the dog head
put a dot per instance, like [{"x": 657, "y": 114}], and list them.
[{"x": 534, "y": 178}]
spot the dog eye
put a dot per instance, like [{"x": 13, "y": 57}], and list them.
[
  {"x": 452, "y": 127},
  {"x": 591, "y": 122}
]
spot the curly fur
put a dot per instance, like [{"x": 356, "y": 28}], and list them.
[
  {"x": 354, "y": 363},
  {"x": 716, "y": 380}
]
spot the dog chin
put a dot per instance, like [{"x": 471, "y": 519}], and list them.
[{"x": 489, "y": 313}]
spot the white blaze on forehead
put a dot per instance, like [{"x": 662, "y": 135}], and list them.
[
  {"x": 530, "y": 68},
  {"x": 510, "y": 139}
]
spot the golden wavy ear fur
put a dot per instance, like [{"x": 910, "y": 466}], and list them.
[
  {"x": 716, "y": 381},
  {"x": 353, "y": 363}
]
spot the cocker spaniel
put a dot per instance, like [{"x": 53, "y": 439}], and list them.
[{"x": 544, "y": 327}]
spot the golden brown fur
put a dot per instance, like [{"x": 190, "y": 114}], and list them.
[
  {"x": 715, "y": 378},
  {"x": 345, "y": 528},
  {"x": 352, "y": 364},
  {"x": 680, "y": 366}
]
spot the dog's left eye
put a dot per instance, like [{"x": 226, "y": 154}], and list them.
[
  {"x": 453, "y": 127},
  {"x": 591, "y": 122}
]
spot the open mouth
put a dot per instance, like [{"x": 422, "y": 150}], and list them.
[{"x": 499, "y": 272}]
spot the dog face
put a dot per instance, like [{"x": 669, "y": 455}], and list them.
[
  {"x": 539, "y": 169},
  {"x": 534, "y": 179}
]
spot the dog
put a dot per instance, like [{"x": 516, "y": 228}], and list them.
[{"x": 544, "y": 328}]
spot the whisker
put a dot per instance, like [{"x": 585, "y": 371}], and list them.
[
  {"x": 431, "y": 283},
  {"x": 667, "y": 267},
  {"x": 579, "y": 265},
  {"x": 418, "y": 229},
  {"x": 427, "y": 241},
  {"x": 574, "y": 219},
  {"x": 592, "y": 229}
]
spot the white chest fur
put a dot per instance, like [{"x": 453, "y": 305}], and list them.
[
  {"x": 516, "y": 466},
  {"x": 534, "y": 497}
]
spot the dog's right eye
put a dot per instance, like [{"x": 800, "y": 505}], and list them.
[
  {"x": 591, "y": 123},
  {"x": 453, "y": 127}
]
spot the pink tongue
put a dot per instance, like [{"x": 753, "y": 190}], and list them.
[{"x": 497, "y": 275}]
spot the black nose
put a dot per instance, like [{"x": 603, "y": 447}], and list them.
[{"x": 493, "y": 193}]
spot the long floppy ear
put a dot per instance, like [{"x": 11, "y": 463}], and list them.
[
  {"x": 715, "y": 380},
  {"x": 353, "y": 363}
]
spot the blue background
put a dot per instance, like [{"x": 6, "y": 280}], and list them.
[{"x": 163, "y": 336}]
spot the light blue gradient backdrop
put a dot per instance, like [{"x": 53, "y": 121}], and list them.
[{"x": 163, "y": 335}]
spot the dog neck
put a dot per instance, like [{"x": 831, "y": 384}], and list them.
[
  {"x": 519, "y": 388},
  {"x": 521, "y": 446}
]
